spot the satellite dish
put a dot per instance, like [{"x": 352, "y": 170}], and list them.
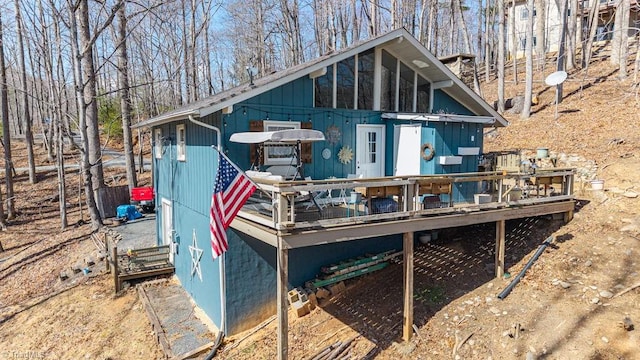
[{"x": 556, "y": 78}]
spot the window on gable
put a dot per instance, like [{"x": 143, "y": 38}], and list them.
[
  {"x": 279, "y": 155},
  {"x": 388, "y": 82},
  {"x": 366, "y": 66},
  {"x": 157, "y": 141},
  {"x": 524, "y": 13},
  {"x": 345, "y": 83},
  {"x": 424, "y": 96},
  {"x": 405, "y": 94},
  {"x": 181, "y": 146},
  {"x": 323, "y": 86}
]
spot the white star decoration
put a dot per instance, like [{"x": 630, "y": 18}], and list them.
[{"x": 196, "y": 255}]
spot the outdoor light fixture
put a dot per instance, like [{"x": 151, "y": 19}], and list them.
[{"x": 419, "y": 63}]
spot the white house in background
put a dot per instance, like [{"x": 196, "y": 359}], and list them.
[{"x": 553, "y": 23}]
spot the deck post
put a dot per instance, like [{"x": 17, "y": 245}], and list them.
[
  {"x": 114, "y": 268},
  {"x": 500, "y": 235},
  {"x": 282, "y": 289},
  {"x": 407, "y": 264}
]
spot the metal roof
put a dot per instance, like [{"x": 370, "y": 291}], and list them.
[{"x": 399, "y": 43}]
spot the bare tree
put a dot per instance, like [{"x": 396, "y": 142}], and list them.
[
  {"x": 616, "y": 41},
  {"x": 541, "y": 31},
  {"x": 501, "y": 46},
  {"x": 432, "y": 28},
  {"x": 528, "y": 89},
  {"x": 25, "y": 95},
  {"x": 587, "y": 46},
  {"x": 125, "y": 100},
  {"x": 6, "y": 136},
  {"x": 624, "y": 39},
  {"x": 514, "y": 42},
  {"x": 572, "y": 19},
  {"x": 487, "y": 44}
]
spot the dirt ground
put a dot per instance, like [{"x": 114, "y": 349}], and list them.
[{"x": 571, "y": 304}]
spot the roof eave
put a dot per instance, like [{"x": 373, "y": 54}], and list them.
[
  {"x": 500, "y": 121},
  {"x": 302, "y": 72},
  {"x": 167, "y": 118}
]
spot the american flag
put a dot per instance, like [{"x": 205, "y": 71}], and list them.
[{"x": 231, "y": 191}]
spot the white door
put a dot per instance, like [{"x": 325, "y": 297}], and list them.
[
  {"x": 370, "y": 150},
  {"x": 406, "y": 143},
  {"x": 167, "y": 226}
]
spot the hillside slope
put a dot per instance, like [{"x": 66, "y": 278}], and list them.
[{"x": 564, "y": 308}]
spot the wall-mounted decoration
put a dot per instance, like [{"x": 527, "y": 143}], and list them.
[
  {"x": 196, "y": 256},
  {"x": 345, "y": 155},
  {"x": 326, "y": 153},
  {"x": 333, "y": 135}
]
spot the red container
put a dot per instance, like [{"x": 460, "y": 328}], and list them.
[
  {"x": 144, "y": 197},
  {"x": 142, "y": 194}
]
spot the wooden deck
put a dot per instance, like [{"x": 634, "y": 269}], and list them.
[
  {"x": 279, "y": 214},
  {"x": 139, "y": 263},
  {"x": 416, "y": 203}
]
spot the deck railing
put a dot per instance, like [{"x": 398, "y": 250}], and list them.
[{"x": 286, "y": 205}]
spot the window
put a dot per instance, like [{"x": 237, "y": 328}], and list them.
[
  {"x": 424, "y": 96},
  {"x": 279, "y": 155},
  {"x": 405, "y": 95},
  {"x": 181, "y": 146},
  {"x": 157, "y": 140},
  {"x": 366, "y": 65},
  {"x": 524, "y": 13},
  {"x": 388, "y": 82},
  {"x": 324, "y": 89},
  {"x": 523, "y": 43},
  {"x": 345, "y": 81}
]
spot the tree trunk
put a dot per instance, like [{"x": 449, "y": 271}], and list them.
[
  {"x": 528, "y": 91},
  {"x": 480, "y": 39},
  {"x": 25, "y": 96},
  {"x": 500, "y": 56},
  {"x": 562, "y": 52},
  {"x": 90, "y": 96},
  {"x": 593, "y": 26},
  {"x": 514, "y": 42},
  {"x": 572, "y": 21},
  {"x": 487, "y": 50},
  {"x": 6, "y": 136},
  {"x": 192, "y": 52},
  {"x": 541, "y": 43},
  {"x": 624, "y": 39},
  {"x": 432, "y": 25},
  {"x": 616, "y": 42},
  {"x": 125, "y": 99},
  {"x": 85, "y": 166},
  {"x": 374, "y": 27}
]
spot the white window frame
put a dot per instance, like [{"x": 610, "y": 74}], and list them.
[
  {"x": 273, "y": 125},
  {"x": 157, "y": 139},
  {"x": 181, "y": 145}
]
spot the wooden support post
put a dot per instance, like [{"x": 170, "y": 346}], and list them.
[
  {"x": 282, "y": 291},
  {"x": 407, "y": 326},
  {"x": 107, "y": 249},
  {"x": 114, "y": 267},
  {"x": 500, "y": 182},
  {"x": 568, "y": 216},
  {"x": 500, "y": 235}
]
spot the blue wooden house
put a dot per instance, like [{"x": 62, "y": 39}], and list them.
[{"x": 397, "y": 124}]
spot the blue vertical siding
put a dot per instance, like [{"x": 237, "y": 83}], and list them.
[
  {"x": 445, "y": 104},
  {"x": 250, "y": 271},
  {"x": 188, "y": 185},
  {"x": 251, "y": 282}
]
